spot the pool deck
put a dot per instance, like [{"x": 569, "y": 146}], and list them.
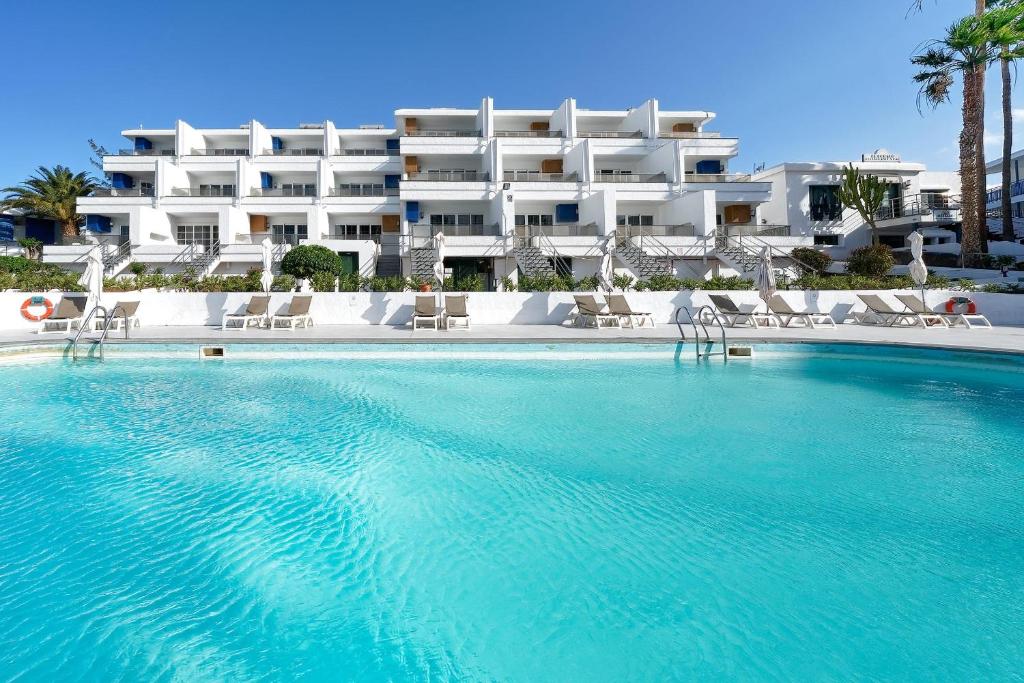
[{"x": 1004, "y": 339}]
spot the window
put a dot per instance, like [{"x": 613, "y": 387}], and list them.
[
  {"x": 534, "y": 219},
  {"x": 637, "y": 219},
  {"x": 352, "y": 231},
  {"x": 447, "y": 219},
  {"x": 825, "y": 204},
  {"x": 216, "y": 190},
  {"x": 298, "y": 189},
  {"x": 614, "y": 172},
  {"x": 361, "y": 189},
  {"x": 196, "y": 234},
  {"x": 288, "y": 233},
  {"x": 827, "y": 240},
  {"x": 934, "y": 200}
]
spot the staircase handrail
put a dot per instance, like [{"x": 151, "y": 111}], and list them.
[
  {"x": 758, "y": 245},
  {"x": 543, "y": 243}
]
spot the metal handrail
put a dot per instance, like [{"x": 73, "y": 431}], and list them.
[
  {"x": 219, "y": 152},
  {"x": 363, "y": 190},
  {"x": 123, "y": 192},
  {"x": 543, "y": 243},
  {"x": 527, "y": 133},
  {"x": 716, "y": 178},
  {"x": 283, "y": 192},
  {"x": 629, "y": 177},
  {"x": 723, "y": 240},
  {"x": 610, "y": 134},
  {"x": 223, "y": 191},
  {"x": 360, "y": 152},
  {"x": 108, "y": 319},
  {"x": 688, "y": 135},
  {"x": 454, "y": 176},
  {"x": 538, "y": 177},
  {"x": 112, "y": 257},
  {"x": 130, "y": 152},
  {"x": 294, "y": 152},
  {"x": 437, "y": 133},
  {"x": 694, "y": 319}
]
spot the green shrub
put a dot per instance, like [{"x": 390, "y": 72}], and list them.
[
  {"x": 33, "y": 247},
  {"x": 1003, "y": 288},
  {"x": 545, "y": 283},
  {"x": 283, "y": 283},
  {"x": 508, "y": 285},
  {"x": 137, "y": 268},
  {"x": 322, "y": 282},
  {"x": 875, "y": 260},
  {"x": 819, "y": 261},
  {"x": 390, "y": 283},
  {"x": 349, "y": 282},
  {"x": 733, "y": 282},
  {"x": 587, "y": 284},
  {"x": 622, "y": 281},
  {"x": 304, "y": 260}
]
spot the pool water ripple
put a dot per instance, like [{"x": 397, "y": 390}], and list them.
[{"x": 794, "y": 517}]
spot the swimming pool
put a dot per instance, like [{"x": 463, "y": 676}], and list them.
[{"x": 532, "y": 513}]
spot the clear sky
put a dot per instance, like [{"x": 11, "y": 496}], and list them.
[{"x": 793, "y": 79}]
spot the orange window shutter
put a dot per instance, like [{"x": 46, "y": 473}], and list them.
[
  {"x": 738, "y": 213},
  {"x": 551, "y": 166},
  {"x": 540, "y": 125},
  {"x": 389, "y": 223},
  {"x": 684, "y": 128},
  {"x": 411, "y": 125},
  {"x": 412, "y": 165}
]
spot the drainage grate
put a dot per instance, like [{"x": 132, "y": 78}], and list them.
[
  {"x": 207, "y": 352},
  {"x": 741, "y": 352}
]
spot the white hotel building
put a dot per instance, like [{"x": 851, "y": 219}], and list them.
[{"x": 512, "y": 191}]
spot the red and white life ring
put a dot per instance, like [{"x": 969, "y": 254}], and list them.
[
  {"x": 34, "y": 303},
  {"x": 961, "y": 304}
]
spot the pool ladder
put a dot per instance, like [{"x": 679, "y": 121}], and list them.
[
  {"x": 108, "y": 319},
  {"x": 708, "y": 345}
]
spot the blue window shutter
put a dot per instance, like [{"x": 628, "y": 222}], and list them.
[
  {"x": 41, "y": 229},
  {"x": 393, "y": 145},
  {"x": 711, "y": 166},
  {"x": 6, "y": 230},
  {"x": 121, "y": 181},
  {"x": 266, "y": 180},
  {"x": 412, "y": 211},
  {"x": 143, "y": 143},
  {"x": 276, "y": 143},
  {"x": 567, "y": 213},
  {"x": 95, "y": 223},
  {"x": 391, "y": 180}
]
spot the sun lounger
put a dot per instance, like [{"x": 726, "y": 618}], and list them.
[
  {"x": 617, "y": 305},
  {"x": 426, "y": 310},
  {"x": 69, "y": 314},
  {"x": 968, "y": 320},
  {"x": 786, "y": 315},
  {"x": 297, "y": 314},
  {"x": 880, "y": 313},
  {"x": 734, "y": 317},
  {"x": 118, "y": 313},
  {"x": 455, "y": 309},
  {"x": 255, "y": 312},
  {"x": 587, "y": 309}
]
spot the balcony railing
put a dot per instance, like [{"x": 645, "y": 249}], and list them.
[
  {"x": 283, "y": 192},
  {"x": 527, "y": 133},
  {"x": 202, "y": 191},
  {"x": 218, "y": 152},
  {"x": 538, "y": 177},
  {"x": 123, "y": 192},
  {"x": 295, "y": 152},
  {"x": 758, "y": 230},
  {"x": 610, "y": 133},
  {"x": 688, "y": 135},
  {"x": 996, "y": 195},
  {"x": 679, "y": 230},
  {"x": 716, "y": 178},
  {"x": 364, "y": 191},
  {"x": 941, "y": 207},
  {"x": 439, "y": 133},
  {"x": 336, "y": 234},
  {"x": 630, "y": 177},
  {"x": 558, "y": 230},
  {"x": 368, "y": 152},
  {"x": 449, "y": 176},
  {"x": 492, "y": 230},
  {"x": 145, "y": 152}
]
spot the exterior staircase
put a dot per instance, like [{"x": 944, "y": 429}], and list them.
[
  {"x": 388, "y": 265},
  {"x": 206, "y": 261},
  {"x": 116, "y": 259},
  {"x": 533, "y": 261},
  {"x": 639, "y": 261},
  {"x": 423, "y": 259},
  {"x": 739, "y": 259}
]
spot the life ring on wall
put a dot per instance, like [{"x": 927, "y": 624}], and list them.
[
  {"x": 36, "y": 302},
  {"x": 961, "y": 304}
]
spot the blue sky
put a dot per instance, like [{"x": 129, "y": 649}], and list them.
[{"x": 794, "y": 79}]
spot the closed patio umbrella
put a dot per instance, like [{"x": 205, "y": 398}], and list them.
[
  {"x": 604, "y": 273},
  {"x": 267, "y": 276},
  {"x": 92, "y": 278},
  {"x": 765, "y": 277},
  {"x": 918, "y": 270},
  {"x": 439, "y": 263}
]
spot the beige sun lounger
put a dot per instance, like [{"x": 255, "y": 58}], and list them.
[
  {"x": 617, "y": 305},
  {"x": 968, "y": 320},
  {"x": 734, "y": 317},
  {"x": 255, "y": 312},
  {"x": 455, "y": 310},
  {"x": 118, "y": 313},
  {"x": 68, "y": 316},
  {"x": 587, "y": 309},
  {"x": 426, "y": 310},
  {"x": 786, "y": 315},
  {"x": 297, "y": 314},
  {"x": 880, "y": 313}
]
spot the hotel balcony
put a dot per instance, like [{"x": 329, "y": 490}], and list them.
[
  {"x": 717, "y": 178},
  {"x": 442, "y": 133},
  {"x": 204, "y": 191},
  {"x": 629, "y": 177},
  {"x": 559, "y": 230},
  {"x": 528, "y": 134},
  {"x": 363, "y": 190},
  {"x": 634, "y": 134},
  {"x": 455, "y": 176},
  {"x": 375, "y": 152},
  {"x": 123, "y": 192},
  {"x": 996, "y": 196},
  {"x": 145, "y": 152},
  {"x": 219, "y": 152},
  {"x": 538, "y": 177},
  {"x": 483, "y": 240},
  {"x": 295, "y": 152},
  {"x": 689, "y": 135},
  {"x": 299, "y": 191}
]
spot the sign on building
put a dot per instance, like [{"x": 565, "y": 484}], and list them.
[{"x": 880, "y": 155}]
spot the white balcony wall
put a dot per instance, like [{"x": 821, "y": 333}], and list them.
[
  {"x": 186, "y": 138},
  {"x": 693, "y": 207},
  {"x": 233, "y": 225},
  {"x": 485, "y": 117},
  {"x": 599, "y": 208},
  {"x": 259, "y": 138},
  {"x": 578, "y": 160},
  {"x": 331, "y": 142},
  {"x": 564, "y": 118},
  {"x": 664, "y": 159},
  {"x": 642, "y": 119}
]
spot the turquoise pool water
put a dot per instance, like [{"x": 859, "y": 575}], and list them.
[{"x": 837, "y": 515}]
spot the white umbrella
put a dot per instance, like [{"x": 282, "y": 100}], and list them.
[
  {"x": 766, "y": 276},
  {"x": 439, "y": 263},
  {"x": 604, "y": 273},
  {"x": 267, "y": 276},
  {"x": 918, "y": 270},
  {"x": 92, "y": 278}
]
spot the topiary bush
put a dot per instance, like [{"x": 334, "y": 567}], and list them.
[
  {"x": 819, "y": 261},
  {"x": 306, "y": 259},
  {"x": 875, "y": 260}
]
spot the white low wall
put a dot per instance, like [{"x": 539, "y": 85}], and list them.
[{"x": 486, "y": 308}]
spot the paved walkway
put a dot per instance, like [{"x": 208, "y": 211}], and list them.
[{"x": 996, "y": 339}]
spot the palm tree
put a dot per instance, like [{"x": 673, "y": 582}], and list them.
[
  {"x": 52, "y": 193},
  {"x": 965, "y": 51},
  {"x": 1006, "y": 24}
]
